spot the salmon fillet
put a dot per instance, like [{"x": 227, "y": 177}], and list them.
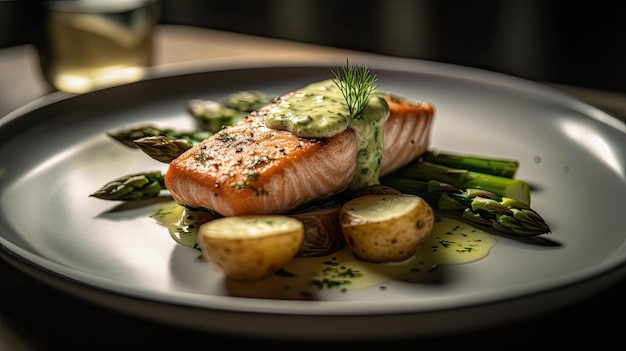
[
  {"x": 406, "y": 132},
  {"x": 248, "y": 168}
]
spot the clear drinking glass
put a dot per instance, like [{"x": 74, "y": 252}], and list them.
[{"x": 92, "y": 44}]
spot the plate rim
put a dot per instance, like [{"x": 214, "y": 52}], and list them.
[{"x": 398, "y": 65}]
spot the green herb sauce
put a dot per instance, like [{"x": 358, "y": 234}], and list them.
[
  {"x": 319, "y": 110},
  {"x": 451, "y": 242},
  {"x": 181, "y": 222}
]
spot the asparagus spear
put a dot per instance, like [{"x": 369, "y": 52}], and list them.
[
  {"x": 162, "y": 148},
  {"x": 247, "y": 101},
  {"x": 467, "y": 179},
  {"x": 128, "y": 135},
  {"x": 500, "y": 167},
  {"x": 132, "y": 187},
  {"x": 479, "y": 206},
  {"x": 165, "y": 144},
  {"x": 213, "y": 116}
]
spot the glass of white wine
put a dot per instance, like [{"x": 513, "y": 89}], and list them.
[{"x": 87, "y": 45}]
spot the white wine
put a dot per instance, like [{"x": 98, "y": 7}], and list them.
[{"x": 93, "y": 44}]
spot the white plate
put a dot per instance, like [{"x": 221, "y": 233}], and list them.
[{"x": 55, "y": 152}]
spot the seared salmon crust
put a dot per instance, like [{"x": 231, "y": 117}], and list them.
[{"x": 247, "y": 168}]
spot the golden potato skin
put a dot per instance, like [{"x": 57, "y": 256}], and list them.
[
  {"x": 245, "y": 257},
  {"x": 390, "y": 238}
]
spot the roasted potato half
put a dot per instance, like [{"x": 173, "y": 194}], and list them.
[
  {"x": 386, "y": 228},
  {"x": 250, "y": 247},
  {"x": 322, "y": 234}
]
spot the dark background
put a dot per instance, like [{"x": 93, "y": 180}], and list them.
[{"x": 575, "y": 43}]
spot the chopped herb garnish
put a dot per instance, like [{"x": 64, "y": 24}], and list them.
[
  {"x": 200, "y": 157},
  {"x": 240, "y": 186},
  {"x": 252, "y": 175},
  {"x": 223, "y": 136}
]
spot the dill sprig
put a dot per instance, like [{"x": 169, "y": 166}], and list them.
[{"x": 356, "y": 84}]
